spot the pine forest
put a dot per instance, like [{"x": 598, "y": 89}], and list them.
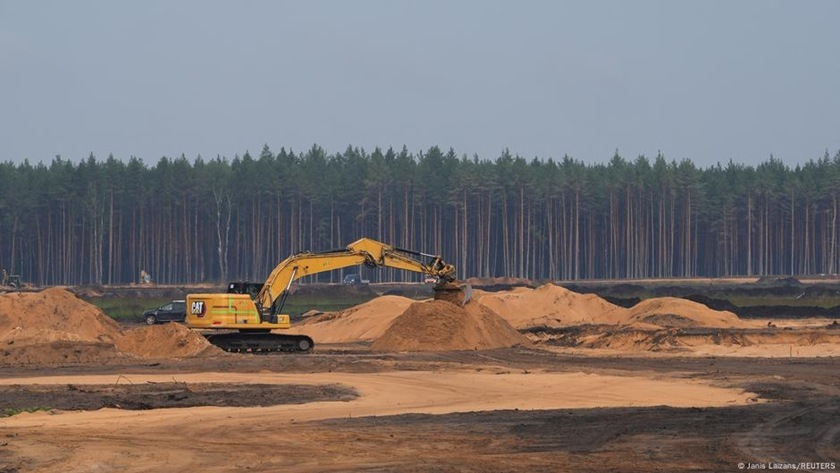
[{"x": 102, "y": 221}]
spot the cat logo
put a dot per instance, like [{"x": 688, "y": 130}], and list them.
[{"x": 197, "y": 308}]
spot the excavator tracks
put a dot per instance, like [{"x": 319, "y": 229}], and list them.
[{"x": 261, "y": 343}]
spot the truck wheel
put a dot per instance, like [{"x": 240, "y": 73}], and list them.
[{"x": 151, "y": 320}]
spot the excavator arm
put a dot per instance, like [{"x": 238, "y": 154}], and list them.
[{"x": 371, "y": 253}]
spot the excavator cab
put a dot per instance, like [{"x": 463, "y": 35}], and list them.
[{"x": 244, "y": 287}]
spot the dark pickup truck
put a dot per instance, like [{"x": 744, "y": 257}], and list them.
[{"x": 175, "y": 311}]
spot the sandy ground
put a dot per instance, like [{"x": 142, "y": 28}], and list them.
[
  {"x": 824, "y": 350},
  {"x": 503, "y": 410},
  {"x": 570, "y": 383},
  {"x": 401, "y": 392}
]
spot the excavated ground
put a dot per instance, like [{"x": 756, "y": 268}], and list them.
[
  {"x": 582, "y": 386},
  {"x": 799, "y": 423}
]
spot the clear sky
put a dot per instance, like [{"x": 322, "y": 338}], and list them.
[{"x": 705, "y": 80}]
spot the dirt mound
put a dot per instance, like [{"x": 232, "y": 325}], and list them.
[
  {"x": 443, "y": 326},
  {"x": 550, "y": 306},
  {"x": 53, "y": 315},
  {"x": 364, "y": 322},
  {"x": 54, "y": 326},
  {"x": 166, "y": 341},
  {"x": 553, "y": 307},
  {"x": 675, "y": 312}
]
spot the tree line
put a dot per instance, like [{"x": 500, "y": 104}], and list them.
[{"x": 183, "y": 221}]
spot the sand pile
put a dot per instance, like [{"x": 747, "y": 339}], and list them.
[
  {"x": 442, "y": 326},
  {"x": 364, "y": 322},
  {"x": 166, "y": 341},
  {"x": 54, "y": 326},
  {"x": 553, "y": 307},
  {"x": 52, "y": 315},
  {"x": 522, "y": 308},
  {"x": 550, "y": 306},
  {"x": 680, "y": 313}
]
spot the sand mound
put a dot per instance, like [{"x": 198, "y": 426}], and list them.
[
  {"x": 442, "y": 326},
  {"x": 166, "y": 341},
  {"x": 550, "y": 306},
  {"x": 54, "y": 326},
  {"x": 553, "y": 307},
  {"x": 675, "y": 312},
  {"x": 53, "y": 315},
  {"x": 364, "y": 322}
]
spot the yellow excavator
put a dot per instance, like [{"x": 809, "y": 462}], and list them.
[{"x": 243, "y": 322}]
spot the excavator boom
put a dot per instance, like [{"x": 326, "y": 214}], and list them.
[{"x": 363, "y": 251}]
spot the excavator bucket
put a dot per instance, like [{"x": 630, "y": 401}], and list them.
[{"x": 454, "y": 293}]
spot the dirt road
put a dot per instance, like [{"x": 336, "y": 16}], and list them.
[{"x": 501, "y": 410}]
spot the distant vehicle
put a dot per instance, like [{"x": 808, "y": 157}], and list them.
[
  {"x": 355, "y": 280},
  {"x": 175, "y": 311},
  {"x": 13, "y": 281}
]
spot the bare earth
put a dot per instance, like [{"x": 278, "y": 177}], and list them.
[
  {"x": 499, "y": 410},
  {"x": 665, "y": 386}
]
